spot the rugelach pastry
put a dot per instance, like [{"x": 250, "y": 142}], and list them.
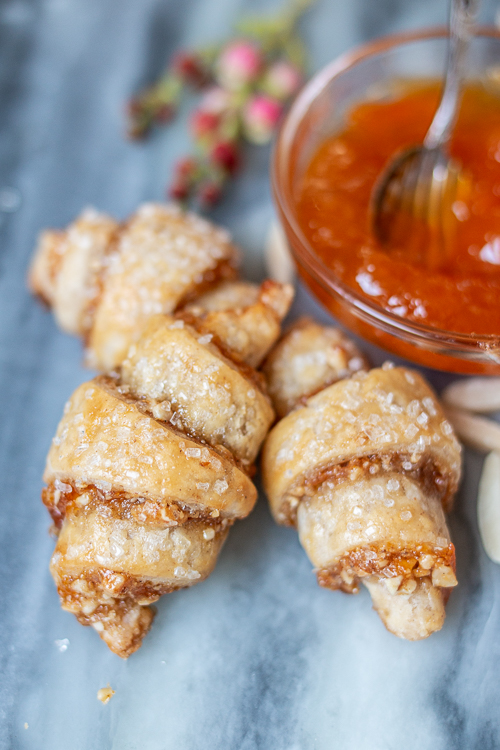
[
  {"x": 151, "y": 466},
  {"x": 152, "y": 462},
  {"x": 365, "y": 469},
  {"x": 309, "y": 357},
  {"x": 104, "y": 280}
]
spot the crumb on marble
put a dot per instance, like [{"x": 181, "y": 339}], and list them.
[
  {"x": 105, "y": 694},
  {"x": 62, "y": 645}
]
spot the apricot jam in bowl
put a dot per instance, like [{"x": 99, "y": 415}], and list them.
[{"x": 342, "y": 130}]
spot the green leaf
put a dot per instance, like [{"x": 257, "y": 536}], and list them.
[
  {"x": 261, "y": 28},
  {"x": 168, "y": 89},
  {"x": 296, "y": 51}
]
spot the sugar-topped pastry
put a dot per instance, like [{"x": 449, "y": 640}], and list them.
[
  {"x": 148, "y": 470},
  {"x": 365, "y": 469},
  {"x": 309, "y": 357},
  {"x": 104, "y": 279}
]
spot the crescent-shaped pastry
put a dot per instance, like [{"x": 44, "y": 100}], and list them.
[
  {"x": 104, "y": 280},
  {"x": 307, "y": 359},
  {"x": 147, "y": 472},
  {"x": 246, "y": 317},
  {"x": 364, "y": 469}
]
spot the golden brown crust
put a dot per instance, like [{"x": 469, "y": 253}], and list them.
[
  {"x": 197, "y": 323},
  {"x": 45, "y": 265},
  {"x": 142, "y": 510},
  {"x": 148, "y": 470},
  {"x": 383, "y": 412},
  {"x": 147, "y": 558},
  {"x": 364, "y": 469},
  {"x": 203, "y": 392},
  {"x": 244, "y": 317},
  {"x": 308, "y": 358},
  {"x": 106, "y": 441},
  {"x": 104, "y": 280},
  {"x": 390, "y": 525},
  {"x": 163, "y": 257},
  {"x": 119, "y": 550},
  {"x": 67, "y": 267},
  {"x": 411, "y": 615}
]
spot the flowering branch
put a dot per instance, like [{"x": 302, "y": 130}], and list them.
[{"x": 245, "y": 85}]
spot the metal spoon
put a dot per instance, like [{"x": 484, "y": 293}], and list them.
[{"x": 412, "y": 199}]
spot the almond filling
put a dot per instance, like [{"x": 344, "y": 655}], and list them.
[
  {"x": 95, "y": 591},
  {"x": 423, "y": 471},
  {"x": 401, "y": 569},
  {"x": 59, "y": 497}
]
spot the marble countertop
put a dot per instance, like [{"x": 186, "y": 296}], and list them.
[{"x": 257, "y": 657}]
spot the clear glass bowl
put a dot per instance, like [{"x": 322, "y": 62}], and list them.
[{"x": 369, "y": 72}]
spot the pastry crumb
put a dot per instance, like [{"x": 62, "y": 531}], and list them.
[{"x": 105, "y": 694}]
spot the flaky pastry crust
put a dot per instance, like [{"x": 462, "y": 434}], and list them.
[
  {"x": 104, "y": 280},
  {"x": 207, "y": 393},
  {"x": 142, "y": 508},
  {"x": 246, "y": 317},
  {"x": 105, "y": 439},
  {"x": 364, "y": 470},
  {"x": 149, "y": 468},
  {"x": 307, "y": 359}
]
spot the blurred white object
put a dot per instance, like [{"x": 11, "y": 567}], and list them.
[
  {"x": 488, "y": 506},
  {"x": 279, "y": 263},
  {"x": 473, "y": 394},
  {"x": 477, "y": 432}
]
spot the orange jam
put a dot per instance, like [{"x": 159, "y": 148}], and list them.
[{"x": 333, "y": 207}]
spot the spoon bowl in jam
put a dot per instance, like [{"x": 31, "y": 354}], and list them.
[{"x": 413, "y": 198}]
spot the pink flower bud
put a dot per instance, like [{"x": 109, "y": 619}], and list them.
[
  {"x": 203, "y": 123},
  {"x": 179, "y": 190},
  {"x": 185, "y": 168},
  {"x": 134, "y": 107},
  {"x": 260, "y": 117},
  {"x": 216, "y": 100},
  {"x": 225, "y": 155},
  {"x": 282, "y": 80},
  {"x": 190, "y": 68},
  {"x": 238, "y": 65}
]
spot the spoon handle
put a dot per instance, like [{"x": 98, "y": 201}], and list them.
[{"x": 462, "y": 17}]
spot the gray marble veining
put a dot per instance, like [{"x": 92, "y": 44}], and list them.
[{"x": 258, "y": 657}]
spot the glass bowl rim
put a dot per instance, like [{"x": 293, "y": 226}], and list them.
[{"x": 421, "y": 334}]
